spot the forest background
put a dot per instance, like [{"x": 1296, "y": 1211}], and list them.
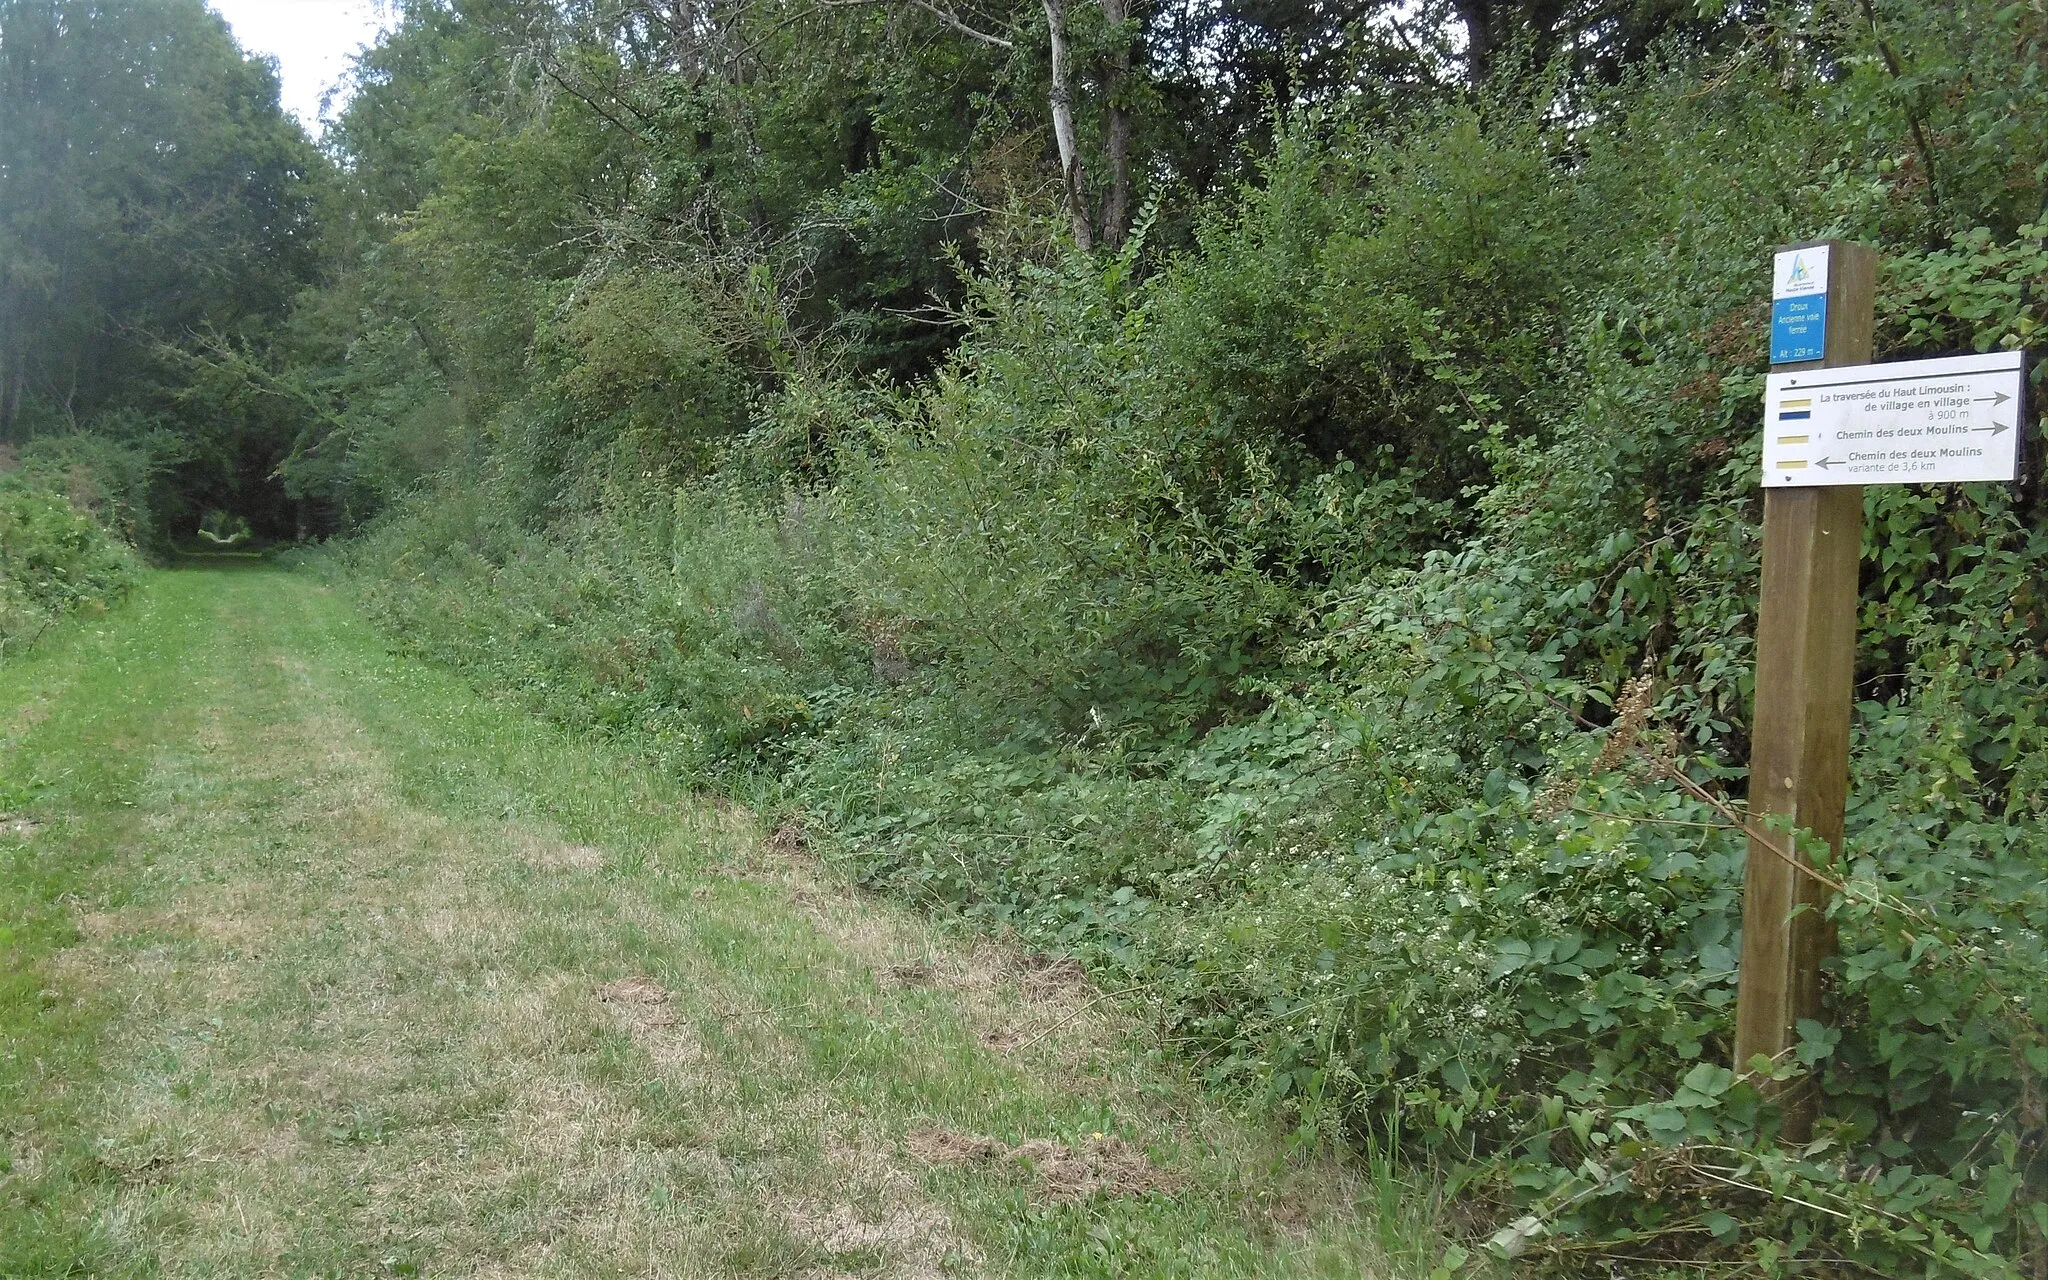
[{"x": 1257, "y": 494}]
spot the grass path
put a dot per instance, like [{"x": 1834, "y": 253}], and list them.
[{"x": 316, "y": 964}]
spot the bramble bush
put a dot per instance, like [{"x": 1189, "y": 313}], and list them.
[
  {"x": 55, "y": 559},
  {"x": 1339, "y": 633}
]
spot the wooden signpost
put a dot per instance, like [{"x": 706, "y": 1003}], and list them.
[
  {"x": 1799, "y": 745},
  {"x": 1825, "y": 435}
]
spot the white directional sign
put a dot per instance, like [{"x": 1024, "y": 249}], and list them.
[{"x": 1914, "y": 422}]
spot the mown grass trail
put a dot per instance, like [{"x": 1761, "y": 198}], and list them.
[{"x": 319, "y": 965}]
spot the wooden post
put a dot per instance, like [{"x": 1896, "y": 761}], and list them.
[{"x": 1799, "y": 752}]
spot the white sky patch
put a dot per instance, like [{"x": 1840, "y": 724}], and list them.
[{"x": 312, "y": 41}]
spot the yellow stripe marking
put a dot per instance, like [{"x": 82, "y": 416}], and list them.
[{"x": 1792, "y": 439}]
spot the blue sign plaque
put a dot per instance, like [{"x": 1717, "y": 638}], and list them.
[{"x": 1799, "y": 328}]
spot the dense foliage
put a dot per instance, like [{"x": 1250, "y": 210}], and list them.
[
  {"x": 63, "y": 547},
  {"x": 156, "y": 215},
  {"x": 1286, "y": 533}
]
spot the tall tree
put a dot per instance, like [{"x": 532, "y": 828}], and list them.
[{"x": 150, "y": 187}]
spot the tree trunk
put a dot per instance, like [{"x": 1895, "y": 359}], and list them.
[
  {"x": 13, "y": 364},
  {"x": 1071, "y": 178},
  {"x": 1477, "y": 16},
  {"x": 1116, "y": 206},
  {"x": 6, "y": 374}
]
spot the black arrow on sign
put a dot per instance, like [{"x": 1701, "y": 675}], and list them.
[
  {"x": 1825, "y": 462},
  {"x": 1996, "y": 398},
  {"x": 1995, "y": 427}
]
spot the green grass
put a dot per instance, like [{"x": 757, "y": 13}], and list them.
[
  {"x": 70, "y": 715},
  {"x": 307, "y": 966}
]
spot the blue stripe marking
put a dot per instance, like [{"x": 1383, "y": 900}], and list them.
[{"x": 1793, "y": 415}]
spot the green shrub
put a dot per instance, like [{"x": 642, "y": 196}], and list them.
[{"x": 54, "y": 560}]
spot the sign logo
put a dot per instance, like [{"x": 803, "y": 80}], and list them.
[{"x": 1799, "y": 273}]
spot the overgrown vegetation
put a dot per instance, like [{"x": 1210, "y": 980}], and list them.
[
  {"x": 63, "y": 543},
  {"x": 1324, "y": 603}
]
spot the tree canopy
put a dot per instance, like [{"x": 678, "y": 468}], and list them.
[{"x": 154, "y": 202}]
